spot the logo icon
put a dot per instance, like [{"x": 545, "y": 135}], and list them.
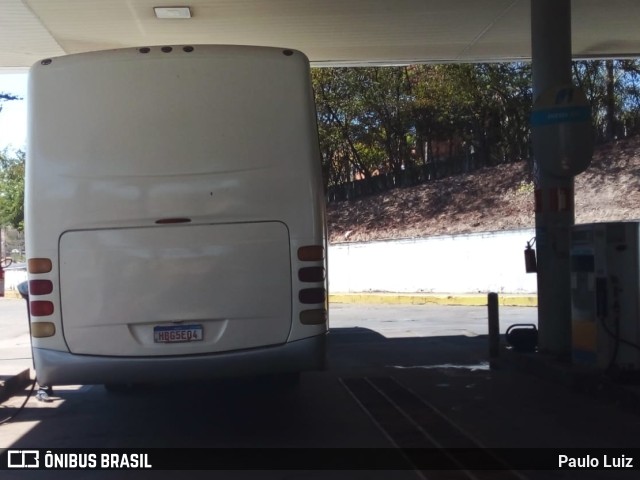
[{"x": 23, "y": 459}]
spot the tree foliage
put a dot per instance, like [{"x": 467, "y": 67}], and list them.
[
  {"x": 418, "y": 122},
  {"x": 11, "y": 181},
  {"x": 613, "y": 90},
  {"x": 402, "y": 120},
  {"x": 5, "y": 97},
  {"x": 12, "y": 189}
]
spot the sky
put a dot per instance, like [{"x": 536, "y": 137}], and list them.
[{"x": 13, "y": 117}]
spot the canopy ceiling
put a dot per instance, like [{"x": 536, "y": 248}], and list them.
[{"x": 330, "y": 32}]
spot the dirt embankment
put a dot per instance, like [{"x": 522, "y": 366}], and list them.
[{"x": 497, "y": 198}]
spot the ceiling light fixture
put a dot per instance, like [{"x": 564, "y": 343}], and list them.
[{"x": 172, "y": 12}]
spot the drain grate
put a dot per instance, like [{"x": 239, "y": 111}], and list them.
[{"x": 428, "y": 439}]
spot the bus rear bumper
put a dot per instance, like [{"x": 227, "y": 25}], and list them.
[{"x": 63, "y": 368}]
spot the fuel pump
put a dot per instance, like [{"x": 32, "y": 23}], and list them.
[{"x": 605, "y": 296}]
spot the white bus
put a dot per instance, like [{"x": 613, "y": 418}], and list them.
[{"x": 175, "y": 220}]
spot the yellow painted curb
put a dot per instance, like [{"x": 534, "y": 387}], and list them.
[{"x": 507, "y": 300}]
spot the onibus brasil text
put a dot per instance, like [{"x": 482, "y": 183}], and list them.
[{"x": 94, "y": 460}]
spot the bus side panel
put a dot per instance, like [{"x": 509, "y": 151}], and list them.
[
  {"x": 118, "y": 285},
  {"x": 215, "y": 135}
]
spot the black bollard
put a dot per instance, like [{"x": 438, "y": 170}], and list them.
[{"x": 494, "y": 326}]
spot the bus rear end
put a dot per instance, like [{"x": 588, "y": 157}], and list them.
[{"x": 174, "y": 215}]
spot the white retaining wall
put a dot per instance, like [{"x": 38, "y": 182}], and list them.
[
  {"x": 478, "y": 262},
  {"x": 472, "y": 263},
  {"x": 13, "y": 277}
]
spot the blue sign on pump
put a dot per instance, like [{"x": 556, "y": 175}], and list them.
[
  {"x": 554, "y": 116},
  {"x": 561, "y": 131}
]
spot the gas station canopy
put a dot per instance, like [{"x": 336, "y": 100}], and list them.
[{"x": 330, "y": 32}]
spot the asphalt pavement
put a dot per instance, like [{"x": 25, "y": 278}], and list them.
[
  {"x": 401, "y": 375},
  {"x": 15, "y": 351},
  {"x": 15, "y": 347}
]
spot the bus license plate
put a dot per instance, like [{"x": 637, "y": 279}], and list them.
[{"x": 177, "y": 334}]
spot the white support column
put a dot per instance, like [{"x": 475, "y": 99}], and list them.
[{"x": 551, "y": 65}]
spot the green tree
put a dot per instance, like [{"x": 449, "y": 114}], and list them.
[
  {"x": 12, "y": 189},
  {"x": 386, "y": 104},
  {"x": 363, "y": 119},
  {"x": 420, "y": 122},
  {"x": 442, "y": 113},
  {"x": 477, "y": 115},
  {"x": 337, "y": 112},
  {"x": 612, "y": 88}
]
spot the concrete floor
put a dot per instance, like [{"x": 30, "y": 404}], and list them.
[{"x": 397, "y": 377}]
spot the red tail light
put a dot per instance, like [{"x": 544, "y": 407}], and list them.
[
  {"x": 311, "y": 253},
  {"x": 40, "y": 287},
  {"x": 41, "y": 308},
  {"x": 311, "y": 274},
  {"x": 312, "y": 295},
  {"x": 313, "y": 317}
]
